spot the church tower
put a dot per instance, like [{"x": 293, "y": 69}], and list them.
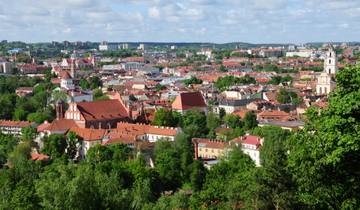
[
  {"x": 72, "y": 65},
  {"x": 60, "y": 109},
  {"x": 325, "y": 83},
  {"x": 330, "y": 61}
]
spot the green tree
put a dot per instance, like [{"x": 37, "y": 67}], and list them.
[
  {"x": 28, "y": 133},
  {"x": 192, "y": 80},
  {"x": 218, "y": 192},
  {"x": 168, "y": 164},
  {"x": 68, "y": 187},
  {"x": 165, "y": 117},
  {"x": 59, "y": 95},
  {"x": 99, "y": 95},
  {"x": 197, "y": 175},
  {"x": 185, "y": 150},
  {"x": 54, "y": 145},
  {"x": 20, "y": 114},
  {"x": 212, "y": 122},
  {"x": 39, "y": 117},
  {"x": 223, "y": 68},
  {"x": 284, "y": 96},
  {"x": 7, "y": 144},
  {"x": 73, "y": 144},
  {"x": 233, "y": 121},
  {"x": 250, "y": 121},
  {"x": 326, "y": 151},
  {"x": 194, "y": 123},
  {"x": 95, "y": 82},
  {"x": 159, "y": 87},
  {"x": 84, "y": 84},
  {"x": 17, "y": 183},
  {"x": 98, "y": 154},
  {"x": 274, "y": 177},
  {"x": 222, "y": 113},
  {"x": 141, "y": 193}
]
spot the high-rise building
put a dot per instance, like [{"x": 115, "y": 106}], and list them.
[
  {"x": 124, "y": 46},
  {"x": 105, "y": 46},
  {"x": 141, "y": 47}
]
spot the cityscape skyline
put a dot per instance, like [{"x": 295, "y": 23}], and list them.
[{"x": 214, "y": 21}]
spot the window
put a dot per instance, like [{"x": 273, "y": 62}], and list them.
[{"x": 329, "y": 61}]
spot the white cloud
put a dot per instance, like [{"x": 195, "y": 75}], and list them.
[
  {"x": 154, "y": 12},
  {"x": 201, "y": 20}
]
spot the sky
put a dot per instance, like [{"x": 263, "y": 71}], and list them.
[{"x": 218, "y": 21}]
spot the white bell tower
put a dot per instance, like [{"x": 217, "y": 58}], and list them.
[
  {"x": 325, "y": 83},
  {"x": 330, "y": 61}
]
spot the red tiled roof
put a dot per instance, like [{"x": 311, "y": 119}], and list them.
[
  {"x": 65, "y": 75},
  {"x": 188, "y": 100},
  {"x": 134, "y": 59},
  {"x": 55, "y": 81},
  {"x": 248, "y": 139},
  {"x": 106, "y": 109},
  {"x": 241, "y": 113},
  {"x": 10, "y": 123},
  {"x": 61, "y": 125},
  {"x": 89, "y": 134},
  {"x": 145, "y": 129},
  {"x": 209, "y": 143},
  {"x": 271, "y": 113},
  {"x": 43, "y": 126},
  {"x": 121, "y": 139}
]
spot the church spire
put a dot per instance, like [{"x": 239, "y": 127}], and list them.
[{"x": 72, "y": 65}]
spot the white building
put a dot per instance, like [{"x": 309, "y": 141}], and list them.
[
  {"x": 13, "y": 127},
  {"x": 250, "y": 145},
  {"x": 128, "y": 66},
  {"x": 80, "y": 96},
  {"x": 110, "y": 68},
  {"x": 67, "y": 82},
  {"x": 325, "y": 84},
  {"x": 236, "y": 94},
  {"x": 104, "y": 46},
  {"x": 301, "y": 53},
  {"x": 206, "y": 52}
]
